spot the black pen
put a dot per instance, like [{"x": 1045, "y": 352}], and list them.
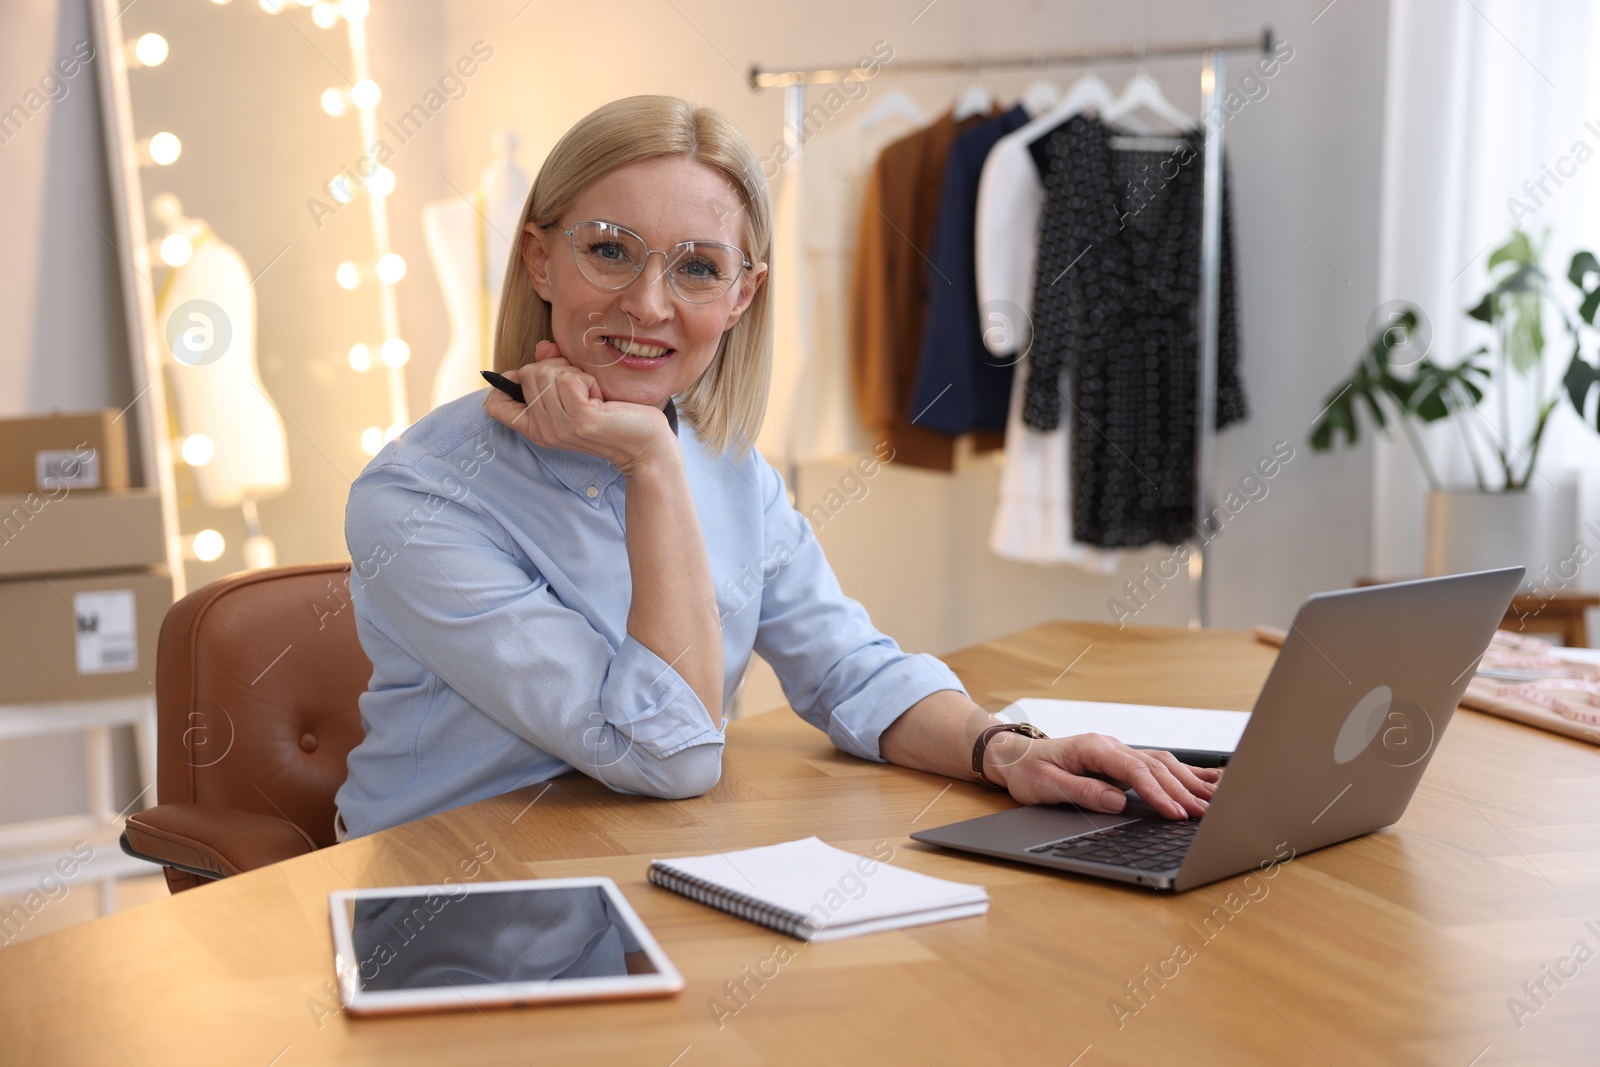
[
  {"x": 504, "y": 384},
  {"x": 514, "y": 391}
]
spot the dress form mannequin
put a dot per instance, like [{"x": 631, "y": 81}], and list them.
[
  {"x": 470, "y": 244},
  {"x": 221, "y": 394}
]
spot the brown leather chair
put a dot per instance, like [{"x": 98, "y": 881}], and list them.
[{"x": 257, "y": 680}]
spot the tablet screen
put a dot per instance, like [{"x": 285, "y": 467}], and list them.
[{"x": 533, "y": 936}]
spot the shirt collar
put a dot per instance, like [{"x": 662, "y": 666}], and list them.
[{"x": 579, "y": 471}]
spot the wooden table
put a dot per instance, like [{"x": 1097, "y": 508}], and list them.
[{"x": 1402, "y": 947}]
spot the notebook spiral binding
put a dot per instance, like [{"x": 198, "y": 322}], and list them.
[{"x": 745, "y": 907}]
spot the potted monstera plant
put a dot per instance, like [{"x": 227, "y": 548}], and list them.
[{"x": 1500, "y": 519}]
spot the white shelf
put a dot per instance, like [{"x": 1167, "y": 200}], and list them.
[{"x": 31, "y": 850}]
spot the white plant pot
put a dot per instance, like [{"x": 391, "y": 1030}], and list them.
[{"x": 1470, "y": 530}]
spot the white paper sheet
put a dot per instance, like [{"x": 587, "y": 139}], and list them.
[{"x": 1140, "y": 725}]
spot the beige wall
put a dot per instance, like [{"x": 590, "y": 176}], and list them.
[{"x": 242, "y": 89}]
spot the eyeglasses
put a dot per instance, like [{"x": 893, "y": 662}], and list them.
[{"x": 610, "y": 257}]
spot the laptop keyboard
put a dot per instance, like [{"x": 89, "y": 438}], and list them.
[{"x": 1146, "y": 846}]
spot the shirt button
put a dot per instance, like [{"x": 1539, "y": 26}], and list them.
[{"x": 592, "y": 491}]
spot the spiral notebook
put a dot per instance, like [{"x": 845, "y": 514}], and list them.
[{"x": 813, "y": 891}]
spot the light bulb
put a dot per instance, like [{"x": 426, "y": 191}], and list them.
[
  {"x": 348, "y": 275},
  {"x": 197, "y": 450},
  {"x": 372, "y": 440},
  {"x": 333, "y": 100},
  {"x": 325, "y": 15},
  {"x": 392, "y": 432},
  {"x": 272, "y": 7},
  {"x": 360, "y": 356},
  {"x": 151, "y": 49},
  {"x": 365, "y": 94},
  {"x": 339, "y": 188},
  {"x": 208, "y": 545},
  {"x": 165, "y": 148},
  {"x": 382, "y": 182},
  {"x": 391, "y": 267},
  {"x": 394, "y": 352},
  {"x": 176, "y": 250},
  {"x": 354, "y": 10}
]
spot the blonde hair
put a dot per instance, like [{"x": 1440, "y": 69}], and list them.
[{"x": 726, "y": 404}]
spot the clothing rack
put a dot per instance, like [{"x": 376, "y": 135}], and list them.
[{"x": 1213, "y": 77}]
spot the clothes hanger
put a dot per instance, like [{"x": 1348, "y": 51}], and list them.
[
  {"x": 975, "y": 99},
  {"x": 1143, "y": 92},
  {"x": 894, "y": 104},
  {"x": 1088, "y": 93},
  {"x": 1041, "y": 97}
]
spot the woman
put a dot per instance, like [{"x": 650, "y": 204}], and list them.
[{"x": 578, "y": 581}]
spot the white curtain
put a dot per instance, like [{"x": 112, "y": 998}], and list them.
[{"x": 1485, "y": 100}]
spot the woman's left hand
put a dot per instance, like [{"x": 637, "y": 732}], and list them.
[{"x": 1091, "y": 770}]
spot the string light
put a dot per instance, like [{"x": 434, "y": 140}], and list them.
[
  {"x": 208, "y": 545},
  {"x": 176, "y": 249},
  {"x": 386, "y": 268},
  {"x": 197, "y": 450},
  {"x": 365, "y": 94},
  {"x": 394, "y": 352},
  {"x": 382, "y": 182},
  {"x": 151, "y": 49},
  {"x": 391, "y": 268},
  {"x": 165, "y": 148}
]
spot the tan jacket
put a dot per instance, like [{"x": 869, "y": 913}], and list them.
[{"x": 889, "y": 297}]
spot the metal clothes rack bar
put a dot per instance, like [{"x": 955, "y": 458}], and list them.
[{"x": 1213, "y": 79}]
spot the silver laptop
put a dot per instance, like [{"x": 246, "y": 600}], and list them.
[{"x": 1340, "y": 735}]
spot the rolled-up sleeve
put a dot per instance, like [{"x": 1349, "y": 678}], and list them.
[
  {"x": 443, "y": 581},
  {"x": 838, "y": 671}
]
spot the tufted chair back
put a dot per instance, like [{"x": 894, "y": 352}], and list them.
[{"x": 257, "y": 680}]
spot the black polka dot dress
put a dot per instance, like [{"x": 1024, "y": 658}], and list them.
[{"x": 1116, "y": 329}]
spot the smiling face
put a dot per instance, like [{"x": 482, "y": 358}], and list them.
[{"x": 643, "y": 343}]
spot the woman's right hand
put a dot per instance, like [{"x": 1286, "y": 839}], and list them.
[{"x": 565, "y": 410}]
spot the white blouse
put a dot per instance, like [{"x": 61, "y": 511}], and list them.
[{"x": 1032, "y": 523}]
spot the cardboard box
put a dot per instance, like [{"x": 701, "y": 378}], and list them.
[
  {"x": 87, "y": 450},
  {"x": 83, "y": 637},
  {"x": 71, "y": 530}
]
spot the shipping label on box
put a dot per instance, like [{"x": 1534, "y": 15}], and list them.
[
  {"x": 80, "y": 637},
  {"x": 108, "y": 633},
  {"x": 33, "y": 447},
  {"x": 79, "y": 469}
]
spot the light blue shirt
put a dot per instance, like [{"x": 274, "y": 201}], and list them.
[{"x": 490, "y": 582}]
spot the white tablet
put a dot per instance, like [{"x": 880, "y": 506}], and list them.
[{"x": 420, "y": 948}]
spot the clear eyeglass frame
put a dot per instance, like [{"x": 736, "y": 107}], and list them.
[{"x": 669, "y": 258}]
